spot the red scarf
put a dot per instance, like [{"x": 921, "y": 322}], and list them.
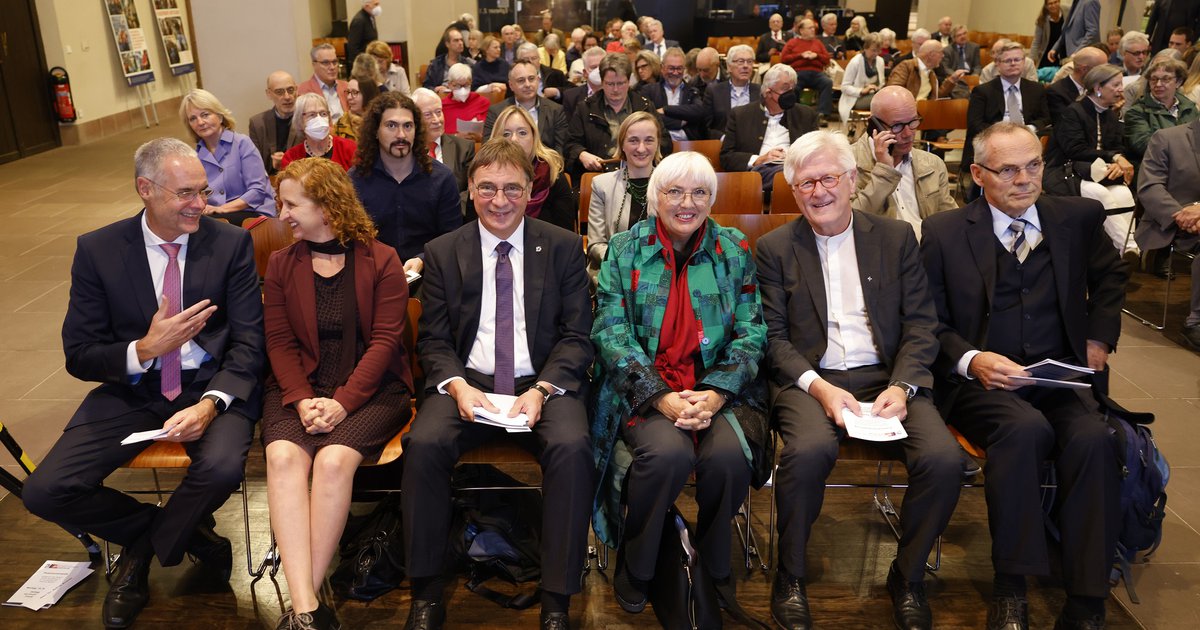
[
  {"x": 679, "y": 339},
  {"x": 541, "y": 188}
]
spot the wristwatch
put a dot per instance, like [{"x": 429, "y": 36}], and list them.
[
  {"x": 910, "y": 391},
  {"x": 216, "y": 401},
  {"x": 544, "y": 392}
]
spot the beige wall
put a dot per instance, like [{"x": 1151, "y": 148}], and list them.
[{"x": 429, "y": 20}]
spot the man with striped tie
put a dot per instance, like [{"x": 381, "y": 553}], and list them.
[
  {"x": 1018, "y": 277},
  {"x": 166, "y": 314}
]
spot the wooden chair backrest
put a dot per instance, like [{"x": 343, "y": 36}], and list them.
[
  {"x": 269, "y": 234},
  {"x": 585, "y": 198},
  {"x": 753, "y": 225},
  {"x": 710, "y": 149},
  {"x": 738, "y": 193},
  {"x": 782, "y": 199},
  {"x": 943, "y": 113}
]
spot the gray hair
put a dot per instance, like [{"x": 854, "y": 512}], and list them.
[
  {"x": 525, "y": 48},
  {"x": 829, "y": 17},
  {"x": 1099, "y": 75},
  {"x": 886, "y": 35},
  {"x": 740, "y": 48},
  {"x": 148, "y": 159},
  {"x": 551, "y": 41},
  {"x": 312, "y": 54},
  {"x": 678, "y": 167},
  {"x": 458, "y": 72},
  {"x": 593, "y": 52},
  {"x": 979, "y": 142},
  {"x": 302, "y": 103},
  {"x": 813, "y": 142},
  {"x": 1132, "y": 37},
  {"x": 777, "y": 73},
  {"x": 426, "y": 93},
  {"x": 920, "y": 34}
]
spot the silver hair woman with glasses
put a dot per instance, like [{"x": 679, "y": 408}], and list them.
[{"x": 679, "y": 337}]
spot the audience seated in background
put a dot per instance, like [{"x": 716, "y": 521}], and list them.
[
  {"x": 673, "y": 90},
  {"x": 944, "y": 33},
  {"x": 591, "y": 131},
  {"x": 856, "y": 32},
  {"x": 325, "y": 81},
  {"x": 394, "y": 75},
  {"x": 1161, "y": 107},
  {"x": 991, "y": 71},
  {"x": 552, "y": 82},
  {"x": 1135, "y": 89},
  {"x": 334, "y": 400},
  {"x": 474, "y": 41},
  {"x": 808, "y": 57},
  {"x": 508, "y": 43},
  {"x": 522, "y": 89},
  {"x": 1009, "y": 97},
  {"x": 896, "y": 179},
  {"x": 271, "y": 131},
  {"x": 455, "y": 152},
  {"x": 1112, "y": 43},
  {"x": 578, "y": 44},
  {"x": 572, "y": 97},
  {"x": 463, "y": 357},
  {"x": 240, "y": 187},
  {"x": 192, "y": 370},
  {"x": 550, "y": 196},
  {"x": 865, "y": 74},
  {"x": 709, "y": 68},
  {"x": 410, "y": 197},
  {"x": 655, "y": 41},
  {"x": 887, "y": 48},
  {"x": 961, "y": 58},
  {"x": 829, "y": 35},
  {"x": 1191, "y": 87},
  {"x": 347, "y": 125},
  {"x": 647, "y": 69},
  {"x": 1063, "y": 92},
  {"x": 547, "y": 30},
  {"x": 435, "y": 74},
  {"x": 578, "y": 73},
  {"x": 491, "y": 68},
  {"x": 312, "y": 123},
  {"x": 370, "y": 80},
  {"x": 757, "y": 135},
  {"x": 1169, "y": 190},
  {"x": 462, "y": 103},
  {"x": 919, "y": 74},
  {"x": 771, "y": 42},
  {"x": 619, "y": 198},
  {"x": 721, "y": 96},
  {"x": 917, "y": 37},
  {"x": 550, "y": 54},
  {"x": 1182, "y": 39},
  {"x": 1135, "y": 52}
]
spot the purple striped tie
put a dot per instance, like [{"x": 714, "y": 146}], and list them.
[
  {"x": 170, "y": 367},
  {"x": 504, "y": 379}
]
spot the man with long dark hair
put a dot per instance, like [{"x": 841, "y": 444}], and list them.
[{"x": 411, "y": 197}]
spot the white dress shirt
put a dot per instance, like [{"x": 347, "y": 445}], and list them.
[
  {"x": 673, "y": 96},
  {"x": 776, "y": 136},
  {"x": 331, "y": 98},
  {"x": 437, "y": 150},
  {"x": 925, "y": 91},
  {"x": 191, "y": 355},
  {"x": 848, "y": 332},
  {"x": 1000, "y": 223}
]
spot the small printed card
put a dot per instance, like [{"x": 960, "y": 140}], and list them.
[{"x": 871, "y": 427}]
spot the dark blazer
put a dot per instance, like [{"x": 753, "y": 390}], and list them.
[
  {"x": 958, "y": 248},
  {"x": 262, "y": 134},
  {"x": 766, "y": 43},
  {"x": 952, "y": 61},
  {"x": 553, "y": 78},
  {"x": 290, "y": 313},
  {"x": 657, "y": 94},
  {"x": 987, "y": 106},
  {"x": 894, "y": 287},
  {"x": 1169, "y": 179},
  {"x": 457, "y": 155},
  {"x": 558, "y": 307},
  {"x": 551, "y": 121},
  {"x": 746, "y": 126},
  {"x": 362, "y": 32},
  {"x": 571, "y": 99},
  {"x": 113, "y": 301},
  {"x": 1059, "y": 96},
  {"x": 560, "y": 208},
  {"x": 714, "y": 108},
  {"x": 1074, "y": 136},
  {"x": 588, "y": 129}
]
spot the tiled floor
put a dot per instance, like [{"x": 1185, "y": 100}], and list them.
[{"x": 47, "y": 200}]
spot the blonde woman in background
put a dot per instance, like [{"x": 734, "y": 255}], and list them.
[{"x": 239, "y": 183}]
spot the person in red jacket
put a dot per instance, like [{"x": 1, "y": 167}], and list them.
[
  {"x": 312, "y": 121},
  {"x": 808, "y": 56}
]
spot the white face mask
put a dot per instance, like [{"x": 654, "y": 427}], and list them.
[
  {"x": 460, "y": 94},
  {"x": 377, "y": 11},
  {"x": 317, "y": 128},
  {"x": 594, "y": 77}
]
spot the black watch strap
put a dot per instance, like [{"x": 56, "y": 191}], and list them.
[
  {"x": 909, "y": 390},
  {"x": 216, "y": 401},
  {"x": 545, "y": 392}
]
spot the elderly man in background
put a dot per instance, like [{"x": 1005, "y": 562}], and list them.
[
  {"x": 551, "y": 81},
  {"x": 673, "y": 90},
  {"x": 362, "y": 28},
  {"x": 722, "y": 96},
  {"x": 1061, "y": 93},
  {"x": 271, "y": 131},
  {"x": 549, "y": 116},
  {"x": 573, "y": 96},
  {"x": 991, "y": 71},
  {"x": 960, "y": 54},
  {"x": 944, "y": 33},
  {"x": 919, "y": 74},
  {"x": 772, "y": 42},
  {"x": 456, "y": 153},
  {"x": 324, "y": 81},
  {"x": 808, "y": 57}
]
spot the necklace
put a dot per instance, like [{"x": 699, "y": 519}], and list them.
[
  {"x": 636, "y": 190},
  {"x": 311, "y": 153}
]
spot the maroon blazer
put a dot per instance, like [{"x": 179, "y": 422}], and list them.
[{"x": 290, "y": 313}]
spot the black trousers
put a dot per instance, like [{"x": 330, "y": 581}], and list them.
[
  {"x": 1020, "y": 431},
  {"x": 663, "y": 458},
  {"x": 810, "y": 450},
  {"x": 67, "y": 487},
  {"x": 562, "y": 444}
]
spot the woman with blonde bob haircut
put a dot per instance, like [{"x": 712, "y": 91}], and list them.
[
  {"x": 240, "y": 187},
  {"x": 550, "y": 198},
  {"x": 335, "y": 307},
  {"x": 619, "y": 198}
]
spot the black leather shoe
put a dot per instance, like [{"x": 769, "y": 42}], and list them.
[
  {"x": 425, "y": 615},
  {"x": 789, "y": 602},
  {"x": 630, "y": 591},
  {"x": 910, "y": 609},
  {"x": 555, "y": 621},
  {"x": 323, "y": 618},
  {"x": 1091, "y": 623},
  {"x": 1191, "y": 336},
  {"x": 1008, "y": 613},
  {"x": 212, "y": 550},
  {"x": 129, "y": 592}
]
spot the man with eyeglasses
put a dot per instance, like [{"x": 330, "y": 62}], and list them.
[
  {"x": 850, "y": 323},
  {"x": 325, "y": 81},
  {"x": 549, "y": 116},
  {"x": 1009, "y": 97},
  {"x": 165, "y": 312},
  {"x": 674, "y": 91},
  {"x": 1018, "y": 277},
  {"x": 992, "y": 70},
  {"x": 896, "y": 179},
  {"x": 271, "y": 131},
  {"x": 757, "y": 135},
  {"x": 720, "y": 97},
  {"x": 1134, "y": 51},
  {"x": 592, "y": 129},
  {"x": 506, "y": 311}
]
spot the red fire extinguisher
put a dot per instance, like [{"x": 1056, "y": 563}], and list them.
[{"x": 64, "y": 106}]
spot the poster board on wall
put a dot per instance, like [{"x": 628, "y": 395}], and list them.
[
  {"x": 172, "y": 30},
  {"x": 130, "y": 39}
]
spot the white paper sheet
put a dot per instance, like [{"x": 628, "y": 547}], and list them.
[
  {"x": 504, "y": 403},
  {"x": 871, "y": 427},
  {"x": 49, "y": 583},
  {"x": 142, "y": 436}
]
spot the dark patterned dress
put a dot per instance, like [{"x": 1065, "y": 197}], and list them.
[{"x": 366, "y": 430}]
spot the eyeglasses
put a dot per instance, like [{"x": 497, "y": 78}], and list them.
[
  {"x": 1008, "y": 173},
  {"x": 328, "y": 63},
  {"x": 1161, "y": 80},
  {"x": 1013, "y": 61},
  {"x": 829, "y": 182},
  {"x": 898, "y": 127},
  {"x": 487, "y": 192},
  {"x": 1138, "y": 53},
  {"x": 741, "y": 62},
  {"x": 290, "y": 91},
  {"x": 185, "y": 196},
  {"x": 675, "y": 195},
  {"x": 312, "y": 115},
  {"x": 353, "y": 93}
]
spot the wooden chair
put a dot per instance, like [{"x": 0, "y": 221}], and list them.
[
  {"x": 949, "y": 114},
  {"x": 585, "y": 200},
  {"x": 268, "y": 234},
  {"x": 753, "y": 225},
  {"x": 710, "y": 149},
  {"x": 738, "y": 193},
  {"x": 421, "y": 72},
  {"x": 497, "y": 95},
  {"x": 782, "y": 199},
  {"x": 972, "y": 81}
]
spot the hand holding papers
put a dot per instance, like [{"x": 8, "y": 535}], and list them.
[
  {"x": 1051, "y": 373},
  {"x": 49, "y": 583},
  {"x": 142, "y": 436},
  {"x": 871, "y": 427},
  {"x": 519, "y": 424}
]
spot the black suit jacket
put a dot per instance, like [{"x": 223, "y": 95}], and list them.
[
  {"x": 558, "y": 307},
  {"x": 958, "y": 248},
  {"x": 113, "y": 301},
  {"x": 657, "y": 94},
  {"x": 987, "y": 106},
  {"x": 1074, "y": 136},
  {"x": 553, "y": 78},
  {"x": 766, "y": 43},
  {"x": 457, "y": 155},
  {"x": 714, "y": 108},
  {"x": 746, "y": 127},
  {"x": 362, "y": 32},
  {"x": 572, "y": 97},
  {"x": 551, "y": 121},
  {"x": 894, "y": 287},
  {"x": 1059, "y": 96}
]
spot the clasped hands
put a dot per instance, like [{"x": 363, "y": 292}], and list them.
[
  {"x": 1188, "y": 218},
  {"x": 469, "y": 398},
  {"x": 691, "y": 410},
  {"x": 891, "y": 402},
  {"x": 320, "y": 415},
  {"x": 1120, "y": 168}
]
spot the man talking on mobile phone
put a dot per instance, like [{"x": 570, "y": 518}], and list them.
[{"x": 895, "y": 179}]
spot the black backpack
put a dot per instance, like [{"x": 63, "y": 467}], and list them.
[{"x": 1143, "y": 498}]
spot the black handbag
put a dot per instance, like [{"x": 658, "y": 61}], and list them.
[
  {"x": 372, "y": 553},
  {"x": 1062, "y": 180},
  {"x": 682, "y": 594}
]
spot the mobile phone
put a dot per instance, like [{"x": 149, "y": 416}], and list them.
[{"x": 877, "y": 125}]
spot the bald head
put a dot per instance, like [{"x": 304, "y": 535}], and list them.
[
  {"x": 895, "y": 105},
  {"x": 931, "y": 52},
  {"x": 708, "y": 64},
  {"x": 281, "y": 89},
  {"x": 1085, "y": 59}
]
